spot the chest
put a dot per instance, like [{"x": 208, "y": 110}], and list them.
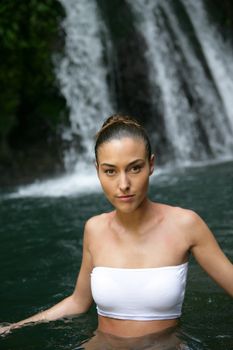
[{"x": 152, "y": 249}]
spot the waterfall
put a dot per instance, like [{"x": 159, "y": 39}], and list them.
[
  {"x": 82, "y": 74},
  {"x": 217, "y": 53},
  {"x": 190, "y": 82},
  {"x": 193, "y": 74},
  {"x": 188, "y": 64}
]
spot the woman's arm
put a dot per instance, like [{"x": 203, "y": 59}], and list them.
[
  {"x": 77, "y": 303},
  {"x": 209, "y": 255}
]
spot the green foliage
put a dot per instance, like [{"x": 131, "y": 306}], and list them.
[
  {"x": 30, "y": 104},
  {"x": 29, "y": 24}
]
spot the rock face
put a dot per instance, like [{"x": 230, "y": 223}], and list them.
[{"x": 130, "y": 72}]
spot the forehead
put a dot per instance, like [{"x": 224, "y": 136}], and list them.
[{"x": 125, "y": 148}]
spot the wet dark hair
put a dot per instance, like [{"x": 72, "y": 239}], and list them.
[{"x": 118, "y": 126}]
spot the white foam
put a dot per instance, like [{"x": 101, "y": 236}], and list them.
[
  {"x": 85, "y": 180},
  {"x": 77, "y": 183}
]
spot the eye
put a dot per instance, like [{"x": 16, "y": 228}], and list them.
[
  {"x": 136, "y": 169},
  {"x": 109, "y": 172}
]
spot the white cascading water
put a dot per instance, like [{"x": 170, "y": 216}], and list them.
[
  {"x": 218, "y": 56},
  {"x": 163, "y": 72},
  {"x": 217, "y": 53},
  {"x": 180, "y": 119},
  {"x": 83, "y": 80},
  {"x": 82, "y": 74}
]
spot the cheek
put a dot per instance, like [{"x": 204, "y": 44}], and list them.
[
  {"x": 106, "y": 184},
  {"x": 142, "y": 182}
]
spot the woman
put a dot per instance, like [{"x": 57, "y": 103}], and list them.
[{"x": 135, "y": 258}]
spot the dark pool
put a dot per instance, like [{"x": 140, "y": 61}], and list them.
[{"x": 40, "y": 255}]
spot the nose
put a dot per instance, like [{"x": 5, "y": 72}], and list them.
[{"x": 124, "y": 183}]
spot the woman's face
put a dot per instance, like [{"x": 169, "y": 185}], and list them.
[{"x": 124, "y": 169}]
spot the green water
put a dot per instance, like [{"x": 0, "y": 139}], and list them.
[{"x": 40, "y": 254}]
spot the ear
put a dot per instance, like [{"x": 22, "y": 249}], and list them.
[{"x": 152, "y": 164}]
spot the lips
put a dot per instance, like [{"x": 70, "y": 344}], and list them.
[{"x": 125, "y": 197}]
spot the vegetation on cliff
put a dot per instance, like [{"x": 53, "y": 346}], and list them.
[{"x": 31, "y": 107}]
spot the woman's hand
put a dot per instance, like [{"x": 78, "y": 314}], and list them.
[{"x": 6, "y": 329}]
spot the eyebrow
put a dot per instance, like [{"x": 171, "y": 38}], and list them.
[{"x": 131, "y": 163}]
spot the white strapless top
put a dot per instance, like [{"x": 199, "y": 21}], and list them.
[{"x": 139, "y": 294}]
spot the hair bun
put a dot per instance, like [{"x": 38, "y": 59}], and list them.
[{"x": 119, "y": 119}]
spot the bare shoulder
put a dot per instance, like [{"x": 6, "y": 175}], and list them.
[
  {"x": 187, "y": 222},
  {"x": 96, "y": 224},
  {"x": 186, "y": 217},
  {"x": 199, "y": 239},
  {"x": 97, "y": 220}
]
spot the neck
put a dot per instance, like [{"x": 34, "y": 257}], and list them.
[{"x": 137, "y": 217}]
